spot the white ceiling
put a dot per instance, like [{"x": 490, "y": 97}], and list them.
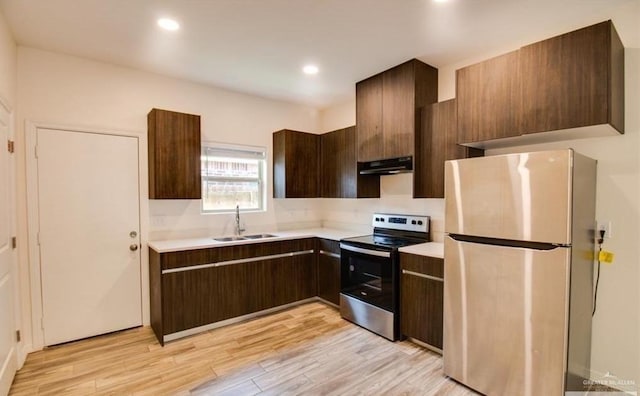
[{"x": 260, "y": 46}]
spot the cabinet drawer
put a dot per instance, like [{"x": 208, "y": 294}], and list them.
[
  {"x": 425, "y": 265},
  {"x": 226, "y": 253}
]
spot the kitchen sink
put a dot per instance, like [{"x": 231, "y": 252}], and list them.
[
  {"x": 258, "y": 236},
  {"x": 244, "y": 237},
  {"x": 230, "y": 239}
]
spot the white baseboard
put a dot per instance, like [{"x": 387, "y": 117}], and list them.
[{"x": 23, "y": 350}]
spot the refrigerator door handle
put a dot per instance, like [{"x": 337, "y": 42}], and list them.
[{"x": 506, "y": 242}]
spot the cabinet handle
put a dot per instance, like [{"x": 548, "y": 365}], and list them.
[
  {"x": 238, "y": 261},
  {"x": 419, "y": 275},
  {"x": 330, "y": 254},
  {"x": 370, "y": 252}
]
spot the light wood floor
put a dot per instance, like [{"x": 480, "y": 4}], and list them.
[{"x": 307, "y": 350}]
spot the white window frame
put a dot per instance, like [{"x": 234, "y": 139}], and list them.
[{"x": 237, "y": 151}]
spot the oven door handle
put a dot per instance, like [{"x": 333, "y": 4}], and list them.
[{"x": 365, "y": 251}]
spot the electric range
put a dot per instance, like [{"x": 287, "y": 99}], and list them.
[{"x": 370, "y": 271}]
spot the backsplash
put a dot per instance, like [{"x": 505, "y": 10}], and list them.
[
  {"x": 396, "y": 197},
  {"x": 177, "y": 219}
]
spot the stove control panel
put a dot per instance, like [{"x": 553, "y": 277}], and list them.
[{"x": 401, "y": 222}]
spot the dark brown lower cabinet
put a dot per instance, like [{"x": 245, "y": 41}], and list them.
[
  {"x": 421, "y": 298},
  {"x": 329, "y": 270},
  {"x": 217, "y": 284}
]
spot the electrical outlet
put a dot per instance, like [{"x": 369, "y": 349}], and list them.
[{"x": 606, "y": 226}]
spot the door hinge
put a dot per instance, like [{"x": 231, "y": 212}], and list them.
[
  {"x": 18, "y": 336},
  {"x": 11, "y": 146},
  {"x": 35, "y": 151},
  {"x": 38, "y": 238},
  {"x": 14, "y": 242}
]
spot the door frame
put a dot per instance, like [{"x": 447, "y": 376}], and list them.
[
  {"x": 19, "y": 354},
  {"x": 33, "y": 219}
]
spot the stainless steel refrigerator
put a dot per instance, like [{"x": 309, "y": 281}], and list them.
[{"x": 519, "y": 271}]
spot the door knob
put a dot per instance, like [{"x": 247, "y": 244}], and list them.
[{"x": 133, "y": 247}]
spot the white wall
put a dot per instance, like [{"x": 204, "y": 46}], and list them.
[
  {"x": 616, "y": 331},
  {"x": 68, "y": 91},
  {"x": 337, "y": 116},
  {"x": 7, "y": 64}
]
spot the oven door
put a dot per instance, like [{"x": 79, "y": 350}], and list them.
[{"x": 368, "y": 275}]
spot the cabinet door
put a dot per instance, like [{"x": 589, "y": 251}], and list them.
[
  {"x": 566, "y": 80},
  {"x": 174, "y": 155},
  {"x": 329, "y": 278},
  {"x": 198, "y": 297},
  {"x": 421, "y": 298},
  {"x": 488, "y": 96},
  {"x": 338, "y": 166},
  {"x": 421, "y": 309},
  {"x": 329, "y": 271},
  {"x": 436, "y": 142},
  {"x": 293, "y": 278},
  {"x": 399, "y": 110},
  {"x": 369, "y": 119},
  {"x": 339, "y": 176},
  {"x": 296, "y": 159}
]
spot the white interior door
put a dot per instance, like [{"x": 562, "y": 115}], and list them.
[
  {"x": 8, "y": 361},
  {"x": 89, "y": 211}
]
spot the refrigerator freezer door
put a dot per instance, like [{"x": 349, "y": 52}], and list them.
[
  {"x": 505, "y": 318},
  {"x": 515, "y": 196}
]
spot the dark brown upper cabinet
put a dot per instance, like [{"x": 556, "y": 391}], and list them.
[
  {"x": 174, "y": 155},
  {"x": 488, "y": 94},
  {"x": 570, "y": 81},
  {"x": 369, "y": 118},
  {"x": 386, "y": 109},
  {"x": 339, "y": 177},
  {"x": 435, "y": 144},
  {"x": 296, "y": 158},
  {"x": 573, "y": 80}
]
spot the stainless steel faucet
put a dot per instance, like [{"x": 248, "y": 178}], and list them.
[{"x": 238, "y": 229}]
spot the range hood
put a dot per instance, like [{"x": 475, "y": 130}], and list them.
[{"x": 388, "y": 166}]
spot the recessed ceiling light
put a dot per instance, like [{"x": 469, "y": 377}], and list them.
[
  {"x": 310, "y": 69},
  {"x": 440, "y": 1},
  {"x": 168, "y": 24}
]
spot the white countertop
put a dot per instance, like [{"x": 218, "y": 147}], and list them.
[
  {"x": 176, "y": 245},
  {"x": 431, "y": 249}
]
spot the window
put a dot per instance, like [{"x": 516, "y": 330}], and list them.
[{"x": 233, "y": 175}]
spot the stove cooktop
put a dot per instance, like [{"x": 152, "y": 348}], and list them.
[{"x": 393, "y": 231}]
